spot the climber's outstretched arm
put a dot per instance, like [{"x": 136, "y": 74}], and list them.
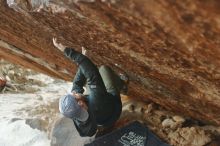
[{"x": 60, "y": 46}]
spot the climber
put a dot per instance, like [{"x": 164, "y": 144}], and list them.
[
  {"x": 3, "y": 82},
  {"x": 102, "y": 106}
]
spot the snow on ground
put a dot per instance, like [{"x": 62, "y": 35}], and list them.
[
  {"x": 19, "y": 134},
  {"x": 17, "y": 107}
]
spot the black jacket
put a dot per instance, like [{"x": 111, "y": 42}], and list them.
[{"x": 103, "y": 107}]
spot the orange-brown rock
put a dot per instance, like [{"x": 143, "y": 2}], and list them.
[{"x": 170, "y": 49}]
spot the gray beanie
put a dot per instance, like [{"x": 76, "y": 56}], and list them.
[{"x": 69, "y": 107}]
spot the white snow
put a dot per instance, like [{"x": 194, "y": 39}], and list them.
[{"x": 17, "y": 133}]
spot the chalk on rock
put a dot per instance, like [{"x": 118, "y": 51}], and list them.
[
  {"x": 168, "y": 123},
  {"x": 178, "y": 119}
]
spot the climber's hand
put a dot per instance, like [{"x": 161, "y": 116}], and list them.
[
  {"x": 84, "y": 51},
  {"x": 60, "y": 46}
]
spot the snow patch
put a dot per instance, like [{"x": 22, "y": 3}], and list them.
[{"x": 19, "y": 134}]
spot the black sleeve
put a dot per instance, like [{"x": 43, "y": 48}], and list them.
[
  {"x": 75, "y": 56},
  {"x": 79, "y": 79},
  {"x": 78, "y": 82},
  {"x": 87, "y": 128},
  {"x": 87, "y": 67}
]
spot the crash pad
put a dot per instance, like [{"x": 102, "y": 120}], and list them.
[{"x": 133, "y": 134}]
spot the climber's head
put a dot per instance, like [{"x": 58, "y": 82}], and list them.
[{"x": 72, "y": 108}]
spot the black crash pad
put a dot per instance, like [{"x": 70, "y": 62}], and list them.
[{"x": 134, "y": 134}]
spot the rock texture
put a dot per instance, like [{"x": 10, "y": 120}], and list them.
[
  {"x": 189, "y": 136},
  {"x": 170, "y": 49}
]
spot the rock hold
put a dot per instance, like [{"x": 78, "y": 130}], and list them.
[
  {"x": 169, "y": 123},
  {"x": 189, "y": 137},
  {"x": 178, "y": 119}
]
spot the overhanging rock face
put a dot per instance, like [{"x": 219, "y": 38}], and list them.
[{"x": 170, "y": 49}]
